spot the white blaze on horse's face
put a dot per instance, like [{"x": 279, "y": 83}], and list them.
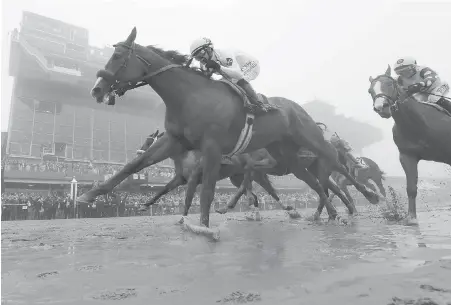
[{"x": 380, "y": 102}]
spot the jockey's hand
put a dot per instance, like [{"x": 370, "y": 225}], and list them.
[
  {"x": 211, "y": 64},
  {"x": 415, "y": 88}
]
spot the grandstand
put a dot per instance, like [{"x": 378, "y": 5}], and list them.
[{"x": 56, "y": 130}]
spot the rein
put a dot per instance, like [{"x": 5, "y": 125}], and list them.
[{"x": 138, "y": 82}]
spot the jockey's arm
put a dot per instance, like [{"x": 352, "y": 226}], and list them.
[
  {"x": 429, "y": 77},
  {"x": 229, "y": 64},
  {"x": 232, "y": 73}
]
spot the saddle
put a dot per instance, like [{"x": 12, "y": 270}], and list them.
[{"x": 263, "y": 106}]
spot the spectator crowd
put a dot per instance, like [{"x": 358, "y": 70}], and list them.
[
  {"x": 71, "y": 168},
  {"x": 33, "y": 205}
]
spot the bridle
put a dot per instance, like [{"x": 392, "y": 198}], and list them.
[
  {"x": 119, "y": 87},
  {"x": 392, "y": 100}
]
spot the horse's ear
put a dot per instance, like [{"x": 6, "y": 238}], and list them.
[
  {"x": 371, "y": 79},
  {"x": 131, "y": 38},
  {"x": 388, "y": 72}
]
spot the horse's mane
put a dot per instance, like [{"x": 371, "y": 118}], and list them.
[{"x": 173, "y": 56}]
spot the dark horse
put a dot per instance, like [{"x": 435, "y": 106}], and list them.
[
  {"x": 209, "y": 116},
  {"x": 364, "y": 175},
  {"x": 421, "y": 131}
]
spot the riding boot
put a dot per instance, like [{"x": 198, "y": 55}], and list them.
[
  {"x": 251, "y": 94},
  {"x": 445, "y": 103}
]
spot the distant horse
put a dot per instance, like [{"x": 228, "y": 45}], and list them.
[
  {"x": 209, "y": 116},
  {"x": 422, "y": 131}
]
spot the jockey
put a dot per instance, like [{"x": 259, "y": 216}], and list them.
[
  {"x": 422, "y": 82},
  {"x": 239, "y": 67},
  {"x": 345, "y": 149}
]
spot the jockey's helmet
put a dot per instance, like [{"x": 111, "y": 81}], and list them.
[
  {"x": 199, "y": 45},
  {"x": 405, "y": 66}
]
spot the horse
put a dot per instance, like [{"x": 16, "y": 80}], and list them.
[
  {"x": 364, "y": 175},
  {"x": 422, "y": 131},
  {"x": 209, "y": 116},
  {"x": 187, "y": 168}
]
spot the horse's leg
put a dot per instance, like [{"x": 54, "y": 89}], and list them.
[
  {"x": 324, "y": 176},
  {"x": 410, "y": 166},
  {"x": 325, "y": 150},
  {"x": 211, "y": 152},
  {"x": 349, "y": 203},
  {"x": 303, "y": 174},
  {"x": 344, "y": 188},
  {"x": 380, "y": 185},
  {"x": 163, "y": 148},
  {"x": 193, "y": 182},
  {"x": 241, "y": 185},
  {"x": 174, "y": 183},
  {"x": 263, "y": 179}
]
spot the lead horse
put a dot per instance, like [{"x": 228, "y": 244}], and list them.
[
  {"x": 206, "y": 115},
  {"x": 422, "y": 131}
]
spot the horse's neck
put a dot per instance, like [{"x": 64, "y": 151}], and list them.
[
  {"x": 409, "y": 118},
  {"x": 174, "y": 85}
]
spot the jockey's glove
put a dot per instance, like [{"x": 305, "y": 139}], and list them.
[
  {"x": 211, "y": 64},
  {"x": 415, "y": 88}
]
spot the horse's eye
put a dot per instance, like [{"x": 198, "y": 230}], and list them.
[{"x": 116, "y": 56}]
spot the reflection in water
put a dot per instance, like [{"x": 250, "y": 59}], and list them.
[{"x": 147, "y": 254}]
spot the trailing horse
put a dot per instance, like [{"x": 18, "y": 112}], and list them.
[
  {"x": 209, "y": 116},
  {"x": 239, "y": 169},
  {"x": 364, "y": 175},
  {"x": 422, "y": 131}
]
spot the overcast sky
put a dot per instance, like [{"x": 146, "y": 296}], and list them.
[{"x": 323, "y": 49}]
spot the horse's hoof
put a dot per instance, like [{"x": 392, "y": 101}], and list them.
[
  {"x": 411, "y": 221},
  {"x": 334, "y": 221},
  {"x": 215, "y": 234},
  {"x": 221, "y": 210},
  {"x": 316, "y": 216},
  {"x": 289, "y": 208}
]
